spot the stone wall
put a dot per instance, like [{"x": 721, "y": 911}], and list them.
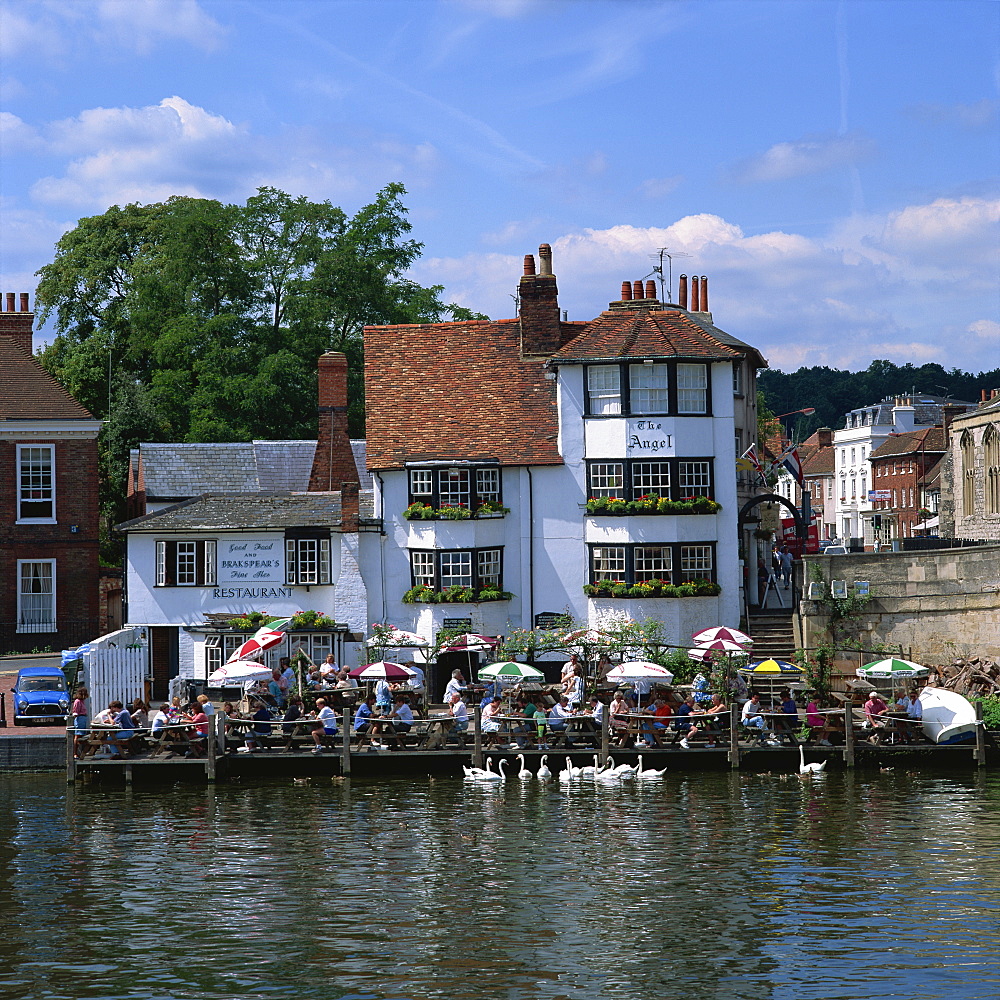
[
  {"x": 937, "y": 604},
  {"x": 33, "y": 753}
]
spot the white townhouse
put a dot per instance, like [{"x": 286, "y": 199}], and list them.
[
  {"x": 865, "y": 429},
  {"x": 532, "y": 467}
]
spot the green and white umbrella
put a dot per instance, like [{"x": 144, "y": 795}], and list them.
[
  {"x": 892, "y": 669},
  {"x": 509, "y": 668}
]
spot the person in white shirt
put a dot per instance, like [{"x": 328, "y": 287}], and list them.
[
  {"x": 914, "y": 717},
  {"x": 574, "y": 689},
  {"x": 326, "y": 724},
  {"x": 460, "y": 713},
  {"x": 558, "y": 716},
  {"x": 417, "y": 681},
  {"x": 455, "y": 686},
  {"x": 383, "y": 694}
]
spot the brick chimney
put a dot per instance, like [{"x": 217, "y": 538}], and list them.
[
  {"x": 333, "y": 463},
  {"x": 349, "y": 506},
  {"x": 824, "y": 437},
  {"x": 17, "y": 325},
  {"x": 540, "y": 327}
]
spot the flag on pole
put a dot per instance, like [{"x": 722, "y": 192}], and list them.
[
  {"x": 790, "y": 462},
  {"x": 749, "y": 460}
]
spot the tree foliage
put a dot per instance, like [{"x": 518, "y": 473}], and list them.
[
  {"x": 833, "y": 392},
  {"x": 192, "y": 320}
]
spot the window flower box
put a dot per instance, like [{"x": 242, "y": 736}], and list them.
[
  {"x": 422, "y": 594},
  {"x": 617, "y": 507},
  {"x": 652, "y": 588},
  {"x": 418, "y": 511}
]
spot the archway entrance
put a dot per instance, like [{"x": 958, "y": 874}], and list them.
[{"x": 759, "y": 580}]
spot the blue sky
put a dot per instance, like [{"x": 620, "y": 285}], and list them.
[{"x": 831, "y": 166}]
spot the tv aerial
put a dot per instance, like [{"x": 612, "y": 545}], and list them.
[{"x": 659, "y": 256}]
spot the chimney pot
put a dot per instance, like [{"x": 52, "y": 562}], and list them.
[
  {"x": 10, "y": 302},
  {"x": 545, "y": 259},
  {"x": 650, "y": 289},
  {"x": 529, "y": 265},
  {"x": 24, "y": 302},
  {"x": 626, "y": 291},
  {"x": 682, "y": 291},
  {"x": 695, "y": 299},
  {"x": 636, "y": 289},
  {"x": 704, "y": 293}
]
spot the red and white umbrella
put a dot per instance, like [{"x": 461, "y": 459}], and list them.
[
  {"x": 383, "y": 670},
  {"x": 635, "y": 670},
  {"x": 721, "y": 632},
  {"x": 470, "y": 643},
  {"x": 263, "y": 638},
  {"x": 238, "y": 672},
  {"x": 705, "y": 650}
]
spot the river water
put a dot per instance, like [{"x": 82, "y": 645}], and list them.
[{"x": 706, "y": 886}]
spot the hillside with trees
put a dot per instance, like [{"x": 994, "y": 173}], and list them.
[
  {"x": 193, "y": 320},
  {"x": 833, "y": 392}
]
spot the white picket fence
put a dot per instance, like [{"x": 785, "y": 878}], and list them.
[{"x": 115, "y": 668}]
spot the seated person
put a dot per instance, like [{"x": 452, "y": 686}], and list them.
[
  {"x": 314, "y": 679},
  {"x": 122, "y": 739},
  {"x": 489, "y": 726},
  {"x": 326, "y": 724},
  {"x": 817, "y": 723},
  {"x": 401, "y": 716},
  {"x": 291, "y": 720},
  {"x": 618, "y": 711},
  {"x": 699, "y": 688},
  {"x": 913, "y": 730},
  {"x": 139, "y": 711},
  {"x": 383, "y": 695},
  {"x": 417, "y": 681},
  {"x": 256, "y": 738},
  {"x": 710, "y": 721},
  {"x": 752, "y": 719},
  {"x": 788, "y": 726},
  {"x": 460, "y": 713},
  {"x": 158, "y": 725},
  {"x": 363, "y": 715},
  {"x": 875, "y": 709},
  {"x": 345, "y": 680},
  {"x": 559, "y": 715},
  {"x": 198, "y": 736},
  {"x": 595, "y": 713},
  {"x": 328, "y": 668},
  {"x": 454, "y": 686},
  {"x": 683, "y": 723}
]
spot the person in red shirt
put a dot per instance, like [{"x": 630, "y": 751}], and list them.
[{"x": 199, "y": 735}]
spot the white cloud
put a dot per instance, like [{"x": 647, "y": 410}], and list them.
[
  {"x": 660, "y": 187},
  {"x": 120, "y": 155},
  {"x": 944, "y": 226},
  {"x": 810, "y": 155},
  {"x": 140, "y": 24},
  {"x": 16, "y": 136},
  {"x": 979, "y": 115},
  {"x": 839, "y": 301}
]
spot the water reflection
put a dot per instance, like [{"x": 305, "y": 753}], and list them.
[{"x": 716, "y": 886}]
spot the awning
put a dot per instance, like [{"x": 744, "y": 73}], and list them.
[{"x": 931, "y": 522}]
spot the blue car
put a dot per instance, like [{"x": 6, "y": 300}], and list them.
[{"x": 40, "y": 695}]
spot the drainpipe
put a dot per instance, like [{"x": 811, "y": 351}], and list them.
[
  {"x": 381, "y": 547},
  {"x": 531, "y": 550}
]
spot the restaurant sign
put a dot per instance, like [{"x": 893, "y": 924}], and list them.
[
  {"x": 251, "y": 561},
  {"x": 650, "y": 437}
]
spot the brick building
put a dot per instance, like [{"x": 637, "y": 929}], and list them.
[
  {"x": 49, "y": 513},
  {"x": 531, "y": 467},
  {"x": 899, "y": 467}
]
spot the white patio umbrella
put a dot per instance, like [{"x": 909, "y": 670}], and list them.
[
  {"x": 639, "y": 670},
  {"x": 239, "y": 672},
  {"x": 722, "y": 632}
]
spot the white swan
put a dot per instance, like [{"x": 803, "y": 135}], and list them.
[
  {"x": 544, "y": 774},
  {"x": 480, "y": 774},
  {"x": 503, "y": 774},
  {"x": 608, "y": 775},
  {"x": 626, "y": 770},
  {"x": 649, "y": 774},
  {"x": 805, "y": 768},
  {"x": 524, "y": 774},
  {"x": 590, "y": 770},
  {"x": 574, "y": 772}
]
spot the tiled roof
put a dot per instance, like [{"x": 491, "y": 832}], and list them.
[
  {"x": 457, "y": 390},
  {"x": 30, "y": 392},
  {"x": 225, "y": 511},
  {"x": 818, "y": 462},
  {"x": 657, "y": 332},
  {"x": 933, "y": 475},
  {"x": 173, "y": 471},
  {"x": 927, "y": 439}
]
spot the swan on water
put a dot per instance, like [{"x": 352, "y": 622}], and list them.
[
  {"x": 574, "y": 772},
  {"x": 589, "y": 771},
  {"x": 649, "y": 774},
  {"x": 481, "y": 774},
  {"x": 544, "y": 774},
  {"x": 524, "y": 774},
  {"x": 805, "y": 768}
]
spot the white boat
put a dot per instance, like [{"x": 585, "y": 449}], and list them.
[{"x": 948, "y": 716}]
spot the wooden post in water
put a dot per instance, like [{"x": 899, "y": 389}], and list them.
[
  {"x": 345, "y": 746},
  {"x": 219, "y": 724},
  {"x": 980, "y": 734},
  {"x": 848, "y": 735},
  {"x": 605, "y": 734},
  {"x": 210, "y": 751},
  {"x": 477, "y": 737},
  {"x": 734, "y": 736},
  {"x": 70, "y": 758}
]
